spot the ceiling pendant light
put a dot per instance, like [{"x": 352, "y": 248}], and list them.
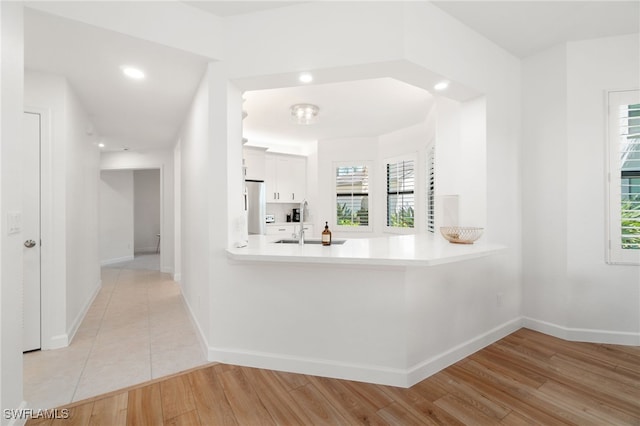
[{"x": 304, "y": 113}]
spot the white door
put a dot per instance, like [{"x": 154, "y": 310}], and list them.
[{"x": 31, "y": 232}]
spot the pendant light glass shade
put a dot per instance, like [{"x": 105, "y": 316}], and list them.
[{"x": 304, "y": 113}]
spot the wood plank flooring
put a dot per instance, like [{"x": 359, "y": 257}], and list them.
[{"x": 526, "y": 378}]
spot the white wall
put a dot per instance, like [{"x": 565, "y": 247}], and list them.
[
  {"x": 71, "y": 261},
  {"x": 146, "y": 206},
  {"x": 116, "y": 216},
  {"x": 162, "y": 160},
  {"x": 194, "y": 226},
  {"x": 246, "y": 298},
  {"x": 11, "y": 111},
  {"x": 575, "y": 294},
  {"x": 82, "y": 177},
  {"x": 349, "y": 37}
]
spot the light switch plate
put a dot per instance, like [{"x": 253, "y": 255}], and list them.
[{"x": 14, "y": 223}]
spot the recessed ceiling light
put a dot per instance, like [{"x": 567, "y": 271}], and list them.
[
  {"x": 441, "y": 86},
  {"x": 305, "y": 77},
  {"x": 101, "y": 145},
  {"x": 132, "y": 72}
]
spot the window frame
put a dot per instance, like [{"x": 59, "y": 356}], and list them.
[
  {"x": 370, "y": 196},
  {"x": 615, "y": 254},
  {"x": 416, "y": 167}
]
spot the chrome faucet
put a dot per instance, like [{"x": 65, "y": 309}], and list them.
[{"x": 303, "y": 205}]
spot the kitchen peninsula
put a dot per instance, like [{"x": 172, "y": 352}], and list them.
[
  {"x": 400, "y": 250},
  {"x": 390, "y": 310}
]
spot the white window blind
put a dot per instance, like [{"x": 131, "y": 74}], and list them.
[
  {"x": 400, "y": 193},
  {"x": 624, "y": 177},
  {"x": 431, "y": 189},
  {"x": 352, "y": 195}
]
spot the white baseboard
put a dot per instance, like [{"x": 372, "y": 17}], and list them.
[
  {"x": 116, "y": 260},
  {"x": 315, "y": 367},
  {"x": 145, "y": 250},
  {"x": 56, "y": 342},
  {"x": 582, "y": 334},
  {"x": 360, "y": 372},
  {"x": 441, "y": 361},
  {"x": 202, "y": 339},
  {"x": 177, "y": 277},
  {"x": 71, "y": 331}
]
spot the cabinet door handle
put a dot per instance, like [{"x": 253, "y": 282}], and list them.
[
  {"x": 293, "y": 196},
  {"x": 282, "y": 229},
  {"x": 278, "y": 195},
  {"x": 274, "y": 195}
]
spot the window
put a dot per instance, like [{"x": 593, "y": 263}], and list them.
[
  {"x": 400, "y": 193},
  {"x": 624, "y": 177},
  {"x": 352, "y": 196},
  {"x": 431, "y": 188}
]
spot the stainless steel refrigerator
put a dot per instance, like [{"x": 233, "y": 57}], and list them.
[{"x": 255, "y": 205}]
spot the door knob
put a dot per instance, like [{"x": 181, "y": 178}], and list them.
[{"x": 29, "y": 243}]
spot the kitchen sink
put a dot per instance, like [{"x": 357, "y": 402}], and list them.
[{"x": 292, "y": 241}]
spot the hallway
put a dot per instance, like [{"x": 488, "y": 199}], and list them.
[{"x": 137, "y": 329}]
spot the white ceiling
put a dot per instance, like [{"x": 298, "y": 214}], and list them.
[
  {"x": 350, "y": 109},
  {"x": 147, "y": 114},
  {"x": 142, "y": 115},
  {"x": 239, "y": 7},
  {"x": 526, "y": 27}
]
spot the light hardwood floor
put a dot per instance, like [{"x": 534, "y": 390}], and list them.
[{"x": 525, "y": 378}]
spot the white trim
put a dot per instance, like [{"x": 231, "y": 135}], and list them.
[
  {"x": 71, "y": 331},
  {"x": 439, "y": 362},
  {"x": 164, "y": 249},
  {"x": 177, "y": 277},
  {"x": 408, "y": 377},
  {"x": 145, "y": 250},
  {"x": 583, "y": 334},
  {"x": 313, "y": 366},
  {"x": 360, "y": 372},
  {"x": 116, "y": 260},
  {"x": 56, "y": 342}
]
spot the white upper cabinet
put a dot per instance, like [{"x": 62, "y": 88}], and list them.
[
  {"x": 286, "y": 178},
  {"x": 254, "y": 163}
]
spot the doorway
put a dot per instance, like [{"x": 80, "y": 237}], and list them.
[
  {"x": 130, "y": 218},
  {"x": 31, "y": 266}
]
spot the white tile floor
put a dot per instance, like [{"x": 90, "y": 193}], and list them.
[{"x": 137, "y": 329}]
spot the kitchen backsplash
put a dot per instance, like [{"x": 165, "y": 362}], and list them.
[{"x": 281, "y": 210}]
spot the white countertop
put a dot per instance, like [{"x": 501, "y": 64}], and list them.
[{"x": 401, "y": 250}]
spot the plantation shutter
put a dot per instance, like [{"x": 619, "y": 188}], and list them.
[
  {"x": 352, "y": 196},
  {"x": 400, "y": 193},
  {"x": 630, "y": 175},
  {"x": 431, "y": 189},
  {"x": 624, "y": 177}
]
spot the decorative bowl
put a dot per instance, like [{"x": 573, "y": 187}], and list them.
[{"x": 461, "y": 234}]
